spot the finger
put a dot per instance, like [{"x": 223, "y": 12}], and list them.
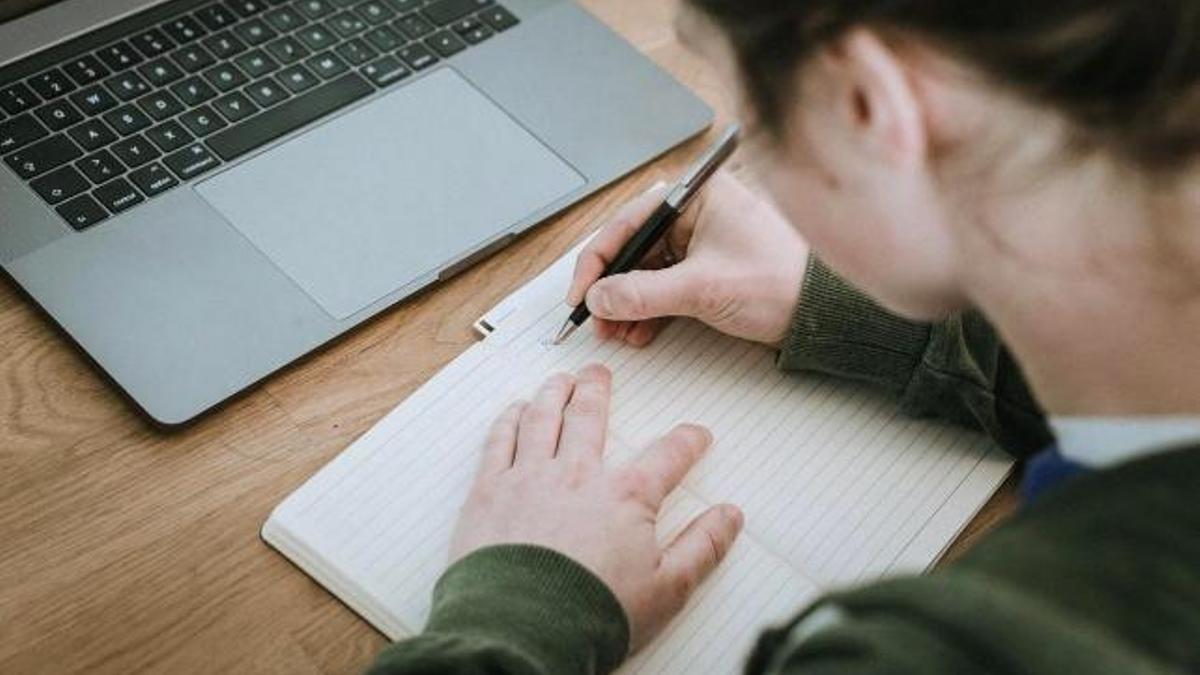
[
  {"x": 699, "y": 549},
  {"x": 501, "y": 441},
  {"x": 585, "y": 421},
  {"x": 644, "y": 332},
  {"x": 541, "y": 421},
  {"x": 646, "y": 294},
  {"x": 605, "y": 330},
  {"x": 662, "y": 467},
  {"x": 608, "y": 241}
]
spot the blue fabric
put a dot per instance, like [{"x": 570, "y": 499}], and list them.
[{"x": 1047, "y": 470}]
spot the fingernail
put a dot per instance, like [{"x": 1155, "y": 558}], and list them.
[
  {"x": 657, "y": 186},
  {"x": 734, "y": 515},
  {"x": 599, "y": 302}
]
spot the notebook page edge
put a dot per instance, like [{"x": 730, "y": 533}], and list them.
[{"x": 292, "y": 547}]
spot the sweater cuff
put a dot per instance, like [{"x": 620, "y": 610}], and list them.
[
  {"x": 838, "y": 330},
  {"x": 536, "y": 601}
]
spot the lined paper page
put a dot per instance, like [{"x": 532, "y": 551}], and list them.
[{"x": 836, "y": 486}]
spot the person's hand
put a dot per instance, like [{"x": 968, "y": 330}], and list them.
[
  {"x": 542, "y": 481},
  {"x": 731, "y": 260}
]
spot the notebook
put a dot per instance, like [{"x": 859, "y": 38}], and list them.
[{"x": 837, "y": 487}]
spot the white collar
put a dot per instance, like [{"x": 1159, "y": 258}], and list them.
[{"x": 1101, "y": 442}]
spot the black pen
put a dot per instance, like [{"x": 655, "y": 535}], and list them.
[{"x": 656, "y": 226}]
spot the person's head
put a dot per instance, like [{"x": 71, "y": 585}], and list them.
[{"x": 904, "y": 134}]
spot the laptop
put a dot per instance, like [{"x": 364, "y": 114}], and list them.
[{"x": 201, "y": 191}]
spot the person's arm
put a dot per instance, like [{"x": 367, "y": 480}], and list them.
[
  {"x": 514, "y": 610},
  {"x": 1093, "y": 578},
  {"x": 958, "y": 370}
]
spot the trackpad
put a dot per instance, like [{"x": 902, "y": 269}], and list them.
[{"x": 384, "y": 196}]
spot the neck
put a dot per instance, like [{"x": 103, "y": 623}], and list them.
[{"x": 1094, "y": 282}]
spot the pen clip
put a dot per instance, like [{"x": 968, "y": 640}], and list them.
[{"x": 703, "y": 169}]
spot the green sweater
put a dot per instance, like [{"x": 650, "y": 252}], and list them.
[{"x": 1101, "y": 575}]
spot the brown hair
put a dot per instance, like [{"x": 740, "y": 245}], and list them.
[{"x": 1125, "y": 72}]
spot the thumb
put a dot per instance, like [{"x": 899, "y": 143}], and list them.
[
  {"x": 645, "y": 294},
  {"x": 697, "y": 551}
]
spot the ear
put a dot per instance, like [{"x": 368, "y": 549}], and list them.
[{"x": 880, "y": 106}]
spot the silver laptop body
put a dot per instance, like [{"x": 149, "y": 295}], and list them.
[{"x": 229, "y": 255}]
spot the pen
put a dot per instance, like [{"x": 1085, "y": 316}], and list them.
[{"x": 659, "y": 222}]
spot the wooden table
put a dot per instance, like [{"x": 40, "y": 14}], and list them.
[{"x": 124, "y": 549}]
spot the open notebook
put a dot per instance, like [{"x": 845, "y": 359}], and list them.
[{"x": 836, "y": 487}]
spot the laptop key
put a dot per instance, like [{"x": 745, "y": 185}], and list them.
[
  {"x": 82, "y": 212},
  {"x": 100, "y": 167},
  {"x": 119, "y": 56},
  {"x": 127, "y": 119},
  {"x": 127, "y": 86},
  {"x": 92, "y": 134},
  {"x": 477, "y": 34},
  {"x": 94, "y": 100},
  {"x": 60, "y": 185},
  {"x": 202, "y": 121},
  {"x": 193, "y": 91},
  {"x": 417, "y": 56},
  {"x": 193, "y": 58},
  {"x": 327, "y": 65},
  {"x": 184, "y": 29},
  {"x": 285, "y": 19},
  {"x": 247, "y": 7},
  {"x": 291, "y": 115},
  {"x": 153, "y": 179},
  {"x": 135, "y": 151},
  {"x": 235, "y": 107},
  {"x": 287, "y": 50},
  {"x": 385, "y": 71},
  {"x": 169, "y": 136},
  {"x": 224, "y": 45},
  {"x": 160, "y": 72},
  {"x": 266, "y": 92},
  {"x": 160, "y": 105},
  {"x": 446, "y": 43},
  {"x": 86, "y": 70},
  {"x": 216, "y": 17},
  {"x": 445, "y": 12},
  {"x": 405, "y": 6},
  {"x": 375, "y": 12},
  {"x": 356, "y": 52},
  {"x": 314, "y": 9},
  {"x": 153, "y": 43},
  {"x": 225, "y": 77},
  {"x": 191, "y": 162},
  {"x": 316, "y": 37},
  {"x": 51, "y": 84},
  {"x": 254, "y": 32},
  {"x": 385, "y": 39},
  {"x": 499, "y": 18},
  {"x": 17, "y": 98},
  {"x": 414, "y": 26},
  {"x": 20, "y": 131},
  {"x": 58, "y": 115},
  {"x": 346, "y": 24},
  {"x": 117, "y": 195},
  {"x": 256, "y": 63},
  {"x": 43, "y": 156},
  {"x": 297, "y": 78}
]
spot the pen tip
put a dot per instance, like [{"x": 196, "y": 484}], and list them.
[{"x": 565, "y": 332}]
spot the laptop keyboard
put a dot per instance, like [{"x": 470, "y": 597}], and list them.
[{"x": 132, "y": 110}]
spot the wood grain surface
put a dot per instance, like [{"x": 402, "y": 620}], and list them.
[{"x": 124, "y": 549}]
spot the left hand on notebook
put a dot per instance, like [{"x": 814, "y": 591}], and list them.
[{"x": 542, "y": 481}]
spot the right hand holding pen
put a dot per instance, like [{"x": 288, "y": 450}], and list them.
[{"x": 732, "y": 261}]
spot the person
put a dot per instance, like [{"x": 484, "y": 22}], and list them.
[{"x": 1026, "y": 161}]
